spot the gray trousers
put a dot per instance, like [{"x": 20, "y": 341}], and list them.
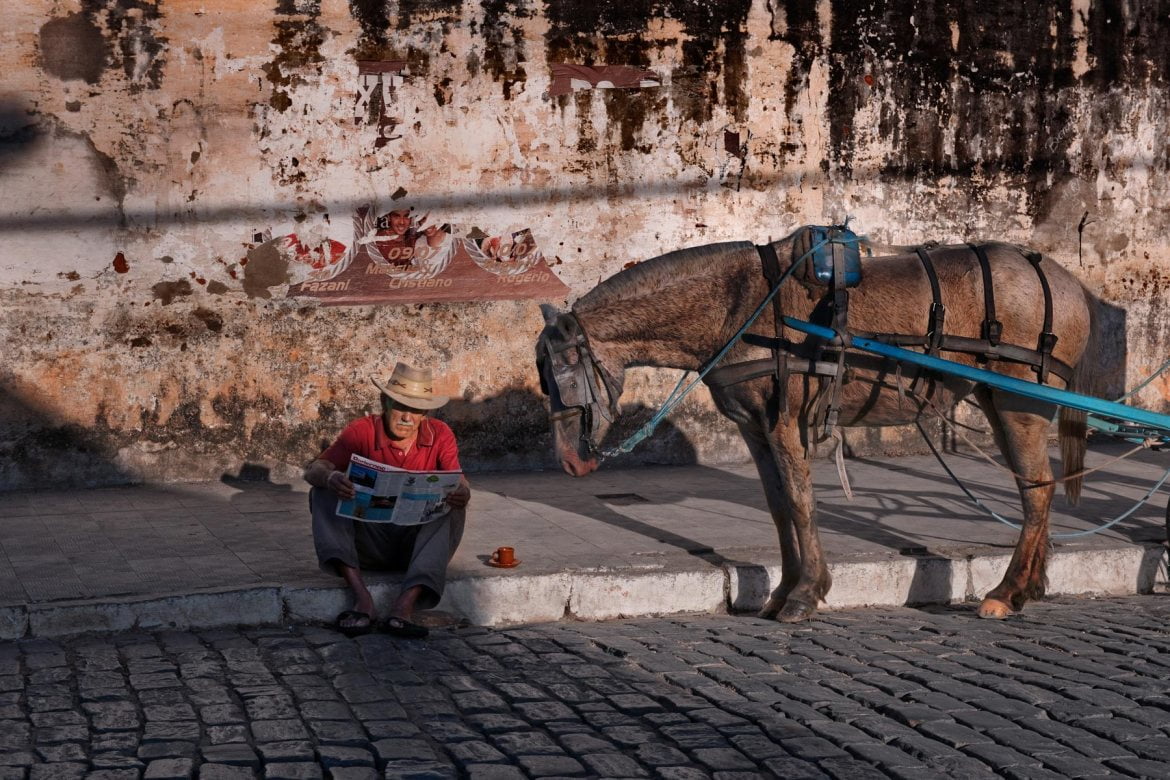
[{"x": 421, "y": 551}]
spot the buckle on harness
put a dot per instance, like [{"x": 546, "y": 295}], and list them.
[
  {"x": 992, "y": 330},
  {"x": 1047, "y": 342},
  {"x": 934, "y": 333}
]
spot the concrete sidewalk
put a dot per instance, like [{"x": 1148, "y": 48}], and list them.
[{"x": 618, "y": 543}]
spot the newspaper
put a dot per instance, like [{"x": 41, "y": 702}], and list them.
[{"x": 385, "y": 494}]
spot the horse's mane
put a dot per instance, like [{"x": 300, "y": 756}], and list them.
[{"x": 657, "y": 273}]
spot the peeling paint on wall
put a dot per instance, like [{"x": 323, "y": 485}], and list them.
[{"x": 221, "y": 153}]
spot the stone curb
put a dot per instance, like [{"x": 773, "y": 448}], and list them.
[{"x": 603, "y": 593}]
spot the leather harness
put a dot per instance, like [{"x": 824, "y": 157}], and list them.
[{"x": 831, "y": 359}]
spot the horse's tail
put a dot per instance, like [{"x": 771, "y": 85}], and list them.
[{"x": 1072, "y": 426}]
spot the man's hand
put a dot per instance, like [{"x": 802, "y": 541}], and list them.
[
  {"x": 323, "y": 474},
  {"x": 340, "y": 484},
  {"x": 459, "y": 497}
]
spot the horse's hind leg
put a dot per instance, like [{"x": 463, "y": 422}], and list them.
[
  {"x": 778, "y": 505},
  {"x": 784, "y": 472},
  {"x": 1021, "y": 430}
]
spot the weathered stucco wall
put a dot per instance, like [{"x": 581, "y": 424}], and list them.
[{"x": 147, "y": 149}]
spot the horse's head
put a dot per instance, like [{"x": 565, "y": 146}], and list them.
[{"x": 582, "y": 394}]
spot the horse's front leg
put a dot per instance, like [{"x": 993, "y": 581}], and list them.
[
  {"x": 784, "y": 472},
  {"x": 1023, "y": 438}
]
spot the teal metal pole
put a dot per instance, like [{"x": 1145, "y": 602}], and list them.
[{"x": 1040, "y": 392}]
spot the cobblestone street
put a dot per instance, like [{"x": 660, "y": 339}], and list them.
[{"x": 1073, "y": 688}]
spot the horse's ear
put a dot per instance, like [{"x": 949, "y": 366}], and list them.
[{"x": 550, "y": 313}]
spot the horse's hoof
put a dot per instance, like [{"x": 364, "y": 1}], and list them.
[
  {"x": 994, "y": 609},
  {"x": 770, "y": 610},
  {"x": 796, "y": 611}
]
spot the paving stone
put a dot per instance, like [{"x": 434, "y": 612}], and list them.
[
  {"x": 1120, "y": 730},
  {"x": 338, "y": 732},
  {"x": 492, "y": 723},
  {"x": 882, "y": 755},
  {"x": 494, "y": 772},
  {"x": 723, "y": 759},
  {"x": 278, "y": 730},
  {"x": 526, "y": 743},
  {"x": 357, "y": 773},
  {"x": 231, "y": 755},
  {"x": 115, "y": 761},
  {"x": 541, "y": 711},
  {"x": 169, "y": 769},
  {"x": 70, "y": 771},
  {"x": 171, "y": 731},
  {"x": 1071, "y": 765},
  {"x": 444, "y": 732},
  {"x": 223, "y": 735},
  {"x": 342, "y": 756},
  {"x": 394, "y": 749},
  {"x": 154, "y": 750},
  {"x": 286, "y": 752},
  {"x": 1138, "y": 767},
  {"x": 169, "y": 712},
  {"x": 411, "y": 769},
  {"x": 695, "y": 735},
  {"x": 794, "y": 769},
  {"x": 1000, "y": 756},
  {"x": 959, "y": 765},
  {"x": 1031, "y": 773},
  {"x": 474, "y": 752},
  {"x": 392, "y": 729},
  {"x": 479, "y": 701},
  {"x": 301, "y": 770},
  {"x": 325, "y": 710},
  {"x": 221, "y": 714},
  {"x": 225, "y": 772},
  {"x": 546, "y": 765},
  {"x": 53, "y": 734},
  {"x": 613, "y": 765},
  {"x": 64, "y": 752},
  {"x": 125, "y": 741}
]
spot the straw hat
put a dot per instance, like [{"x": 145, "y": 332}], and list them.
[{"x": 411, "y": 387}]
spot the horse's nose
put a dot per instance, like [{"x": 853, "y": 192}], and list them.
[{"x": 578, "y": 467}]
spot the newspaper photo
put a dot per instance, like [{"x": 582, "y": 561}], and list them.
[{"x": 386, "y": 494}]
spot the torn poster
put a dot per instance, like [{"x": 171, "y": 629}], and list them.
[
  {"x": 377, "y": 87},
  {"x": 403, "y": 256},
  {"x": 566, "y": 78}
]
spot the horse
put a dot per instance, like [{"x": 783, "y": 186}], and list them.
[{"x": 680, "y": 309}]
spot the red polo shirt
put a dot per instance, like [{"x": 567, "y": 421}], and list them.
[{"x": 433, "y": 450}]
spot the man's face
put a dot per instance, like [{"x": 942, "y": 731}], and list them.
[
  {"x": 402, "y": 421},
  {"x": 399, "y": 221}
]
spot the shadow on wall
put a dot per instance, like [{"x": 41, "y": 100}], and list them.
[
  {"x": 38, "y": 451},
  {"x": 505, "y": 431},
  {"x": 511, "y": 431}
]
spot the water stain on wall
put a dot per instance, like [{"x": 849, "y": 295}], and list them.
[
  {"x": 503, "y": 42},
  {"x": 713, "y": 69},
  {"x": 374, "y": 19},
  {"x": 266, "y": 267},
  {"x": 133, "y": 42},
  {"x": 298, "y": 39},
  {"x": 72, "y": 48},
  {"x": 167, "y": 292}
]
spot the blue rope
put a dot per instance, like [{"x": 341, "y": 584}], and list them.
[{"x": 675, "y": 397}]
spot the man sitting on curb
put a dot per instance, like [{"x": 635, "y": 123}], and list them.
[{"x": 405, "y": 437}]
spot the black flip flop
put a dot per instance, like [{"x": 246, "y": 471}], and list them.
[
  {"x": 360, "y": 629},
  {"x": 396, "y": 626}
]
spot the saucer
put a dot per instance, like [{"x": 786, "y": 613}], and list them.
[{"x": 511, "y": 565}]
